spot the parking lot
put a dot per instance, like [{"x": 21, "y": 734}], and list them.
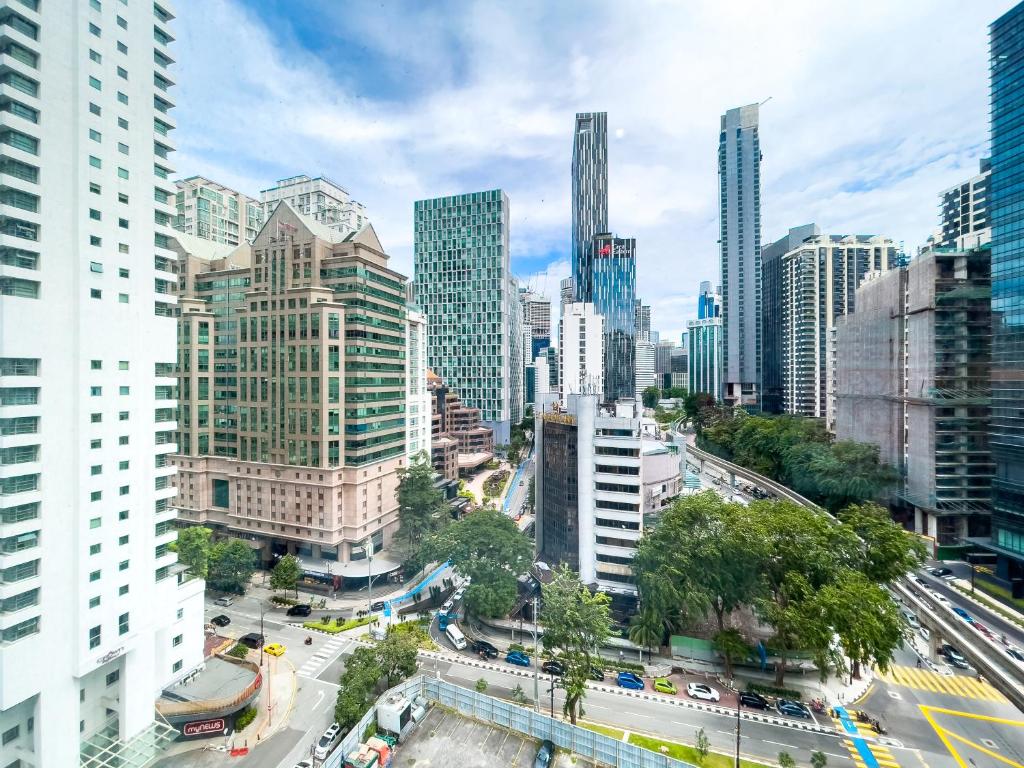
[{"x": 449, "y": 739}]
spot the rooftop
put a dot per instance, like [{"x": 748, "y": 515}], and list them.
[{"x": 219, "y": 680}]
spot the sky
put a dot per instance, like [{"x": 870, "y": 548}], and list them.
[{"x": 870, "y": 109}]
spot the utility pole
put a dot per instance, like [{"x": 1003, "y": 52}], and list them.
[
  {"x": 737, "y": 729},
  {"x": 369, "y": 574},
  {"x": 536, "y": 660},
  {"x": 262, "y": 636}
]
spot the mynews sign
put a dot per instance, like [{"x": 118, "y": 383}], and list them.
[{"x": 204, "y": 727}]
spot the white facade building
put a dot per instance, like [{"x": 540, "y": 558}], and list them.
[
  {"x": 646, "y": 367},
  {"x": 417, "y": 422},
  {"x": 211, "y": 211},
  {"x": 94, "y": 615},
  {"x": 580, "y": 350},
  {"x": 320, "y": 198}
]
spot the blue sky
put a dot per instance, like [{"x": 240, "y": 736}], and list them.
[{"x": 875, "y": 108}]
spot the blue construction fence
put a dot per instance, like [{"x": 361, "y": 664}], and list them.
[{"x": 418, "y": 588}]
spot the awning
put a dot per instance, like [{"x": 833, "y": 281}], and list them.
[{"x": 356, "y": 569}]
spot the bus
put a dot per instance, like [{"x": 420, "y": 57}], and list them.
[{"x": 455, "y": 635}]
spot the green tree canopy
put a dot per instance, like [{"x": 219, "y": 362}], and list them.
[
  {"x": 421, "y": 506},
  {"x": 232, "y": 564},
  {"x": 650, "y": 396},
  {"x": 358, "y": 682},
  {"x": 487, "y": 546},
  {"x": 888, "y": 551},
  {"x": 286, "y": 573},
  {"x": 396, "y": 656},
  {"x": 193, "y": 548}
]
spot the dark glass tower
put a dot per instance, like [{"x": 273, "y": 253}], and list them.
[
  {"x": 613, "y": 281},
  {"x": 589, "y": 194},
  {"x": 1006, "y": 208}
]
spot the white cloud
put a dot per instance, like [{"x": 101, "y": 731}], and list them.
[{"x": 875, "y": 107}]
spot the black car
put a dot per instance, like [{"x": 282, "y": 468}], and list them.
[
  {"x": 300, "y": 610},
  {"x": 485, "y": 648},
  {"x": 220, "y": 621},
  {"x": 552, "y": 667},
  {"x": 596, "y": 673},
  {"x": 940, "y": 572},
  {"x": 377, "y": 606},
  {"x": 252, "y": 640},
  {"x": 545, "y": 755},
  {"x": 753, "y": 700}
]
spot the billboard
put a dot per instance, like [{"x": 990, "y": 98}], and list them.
[{"x": 204, "y": 727}]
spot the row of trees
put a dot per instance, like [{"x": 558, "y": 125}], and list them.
[
  {"x": 799, "y": 453},
  {"x": 651, "y": 395},
  {"x": 390, "y": 661},
  {"x": 227, "y": 565},
  {"x": 803, "y": 575}
]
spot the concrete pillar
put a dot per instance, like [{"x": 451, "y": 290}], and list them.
[
  {"x": 919, "y": 520},
  {"x": 933, "y": 645},
  {"x": 137, "y": 693},
  {"x": 317, "y": 551},
  {"x": 57, "y": 738},
  {"x": 291, "y": 547},
  {"x": 933, "y": 526}
]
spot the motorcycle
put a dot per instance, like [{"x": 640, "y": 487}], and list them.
[
  {"x": 309, "y": 641},
  {"x": 818, "y": 705}
]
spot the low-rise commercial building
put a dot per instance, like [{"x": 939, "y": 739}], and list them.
[{"x": 461, "y": 442}]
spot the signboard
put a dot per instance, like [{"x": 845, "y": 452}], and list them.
[{"x": 204, "y": 727}]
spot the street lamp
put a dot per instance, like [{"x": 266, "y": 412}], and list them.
[
  {"x": 738, "y": 729},
  {"x": 369, "y": 574}
]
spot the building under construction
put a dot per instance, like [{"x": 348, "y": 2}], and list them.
[{"x": 912, "y": 377}]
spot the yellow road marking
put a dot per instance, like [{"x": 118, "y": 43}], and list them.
[
  {"x": 942, "y": 735},
  {"x": 988, "y": 752}
]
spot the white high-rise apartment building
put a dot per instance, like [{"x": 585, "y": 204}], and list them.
[
  {"x": 646, "y": 367},
  {"x": 320, "y": 198},
  {"x": 580, "y": 350},
  {"x": 417, "y": 396},
  {"x": 95, "y": 616},
  {"x": 211, "y": 211}
]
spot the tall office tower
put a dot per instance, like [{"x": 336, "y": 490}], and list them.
[
  {"x": 642, "y": 319},
  {"x": 214, "y": 212},
  {"x": 321, "y": 199},
  {"x": 96, "y": 617},
  {"x": 679, "y": 374},
  {"x": 964, "y": 210},
  {"x": 567, "y": 293},
  {"x": 771, "y": 313},
  {"x": 739, "y": 178},
  {"x": 553, "y": 368},
  {"x": 663, "y": 362},
  {"x": 516, "y": 365},
  {"x": 913, "y": 376},
  {"x": 537, "y": 315},
  {"x": 1006, "y": 214},
  {"x": 417, "y": 434},
  {"x": 613, "y": 283},
  {"x": 819, "y": 280},
  {"x": 704, "y": 344},
  {"x": 309, "y": 343},
  {"x": 580, "y": 351},
  {"x": 465, "y": 288},
  {"x": 589, "y": 195},
  {"x": 646, "y": 367}
]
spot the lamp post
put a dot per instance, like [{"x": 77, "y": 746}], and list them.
[
  {"x": 262, "y": 636},
  {"x": 369, "y": 574},
  {"x": 536, "y": 659},
  {"x": 738, "y": 729}
]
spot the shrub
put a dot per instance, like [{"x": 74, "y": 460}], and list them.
[
  {"x": 517, "y": 647},
  {"x": 282, "y": 600},
  {"x": 339, "y": 625},
  {"x": 239, "y": 651},
  {"x": 243, "y": 718},
  {"x": 481, "y": 685},
  {"x": 771, "y": 690}
]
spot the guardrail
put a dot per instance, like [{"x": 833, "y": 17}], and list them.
[{"x": 1006, "y": 683}]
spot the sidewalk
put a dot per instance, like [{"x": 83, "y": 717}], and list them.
[{"x": 274, "y": 703}]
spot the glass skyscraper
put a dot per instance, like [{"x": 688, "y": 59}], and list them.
[
  {"x": 613, "y": 282},
  {"x": 589, "y": 194},
  {"x": 1006, "y": 206}
]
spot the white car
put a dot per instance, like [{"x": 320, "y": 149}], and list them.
[
  {"x": 326, "y": 743},
  {"x": 458, "y": 595},
  {"x": 923, "y": 631},
  {"x": 448, "y": 605},
  {"x": 224, "y": 601},
  {"x": 701, "y": 691},
  {"x": 940, "y": 598}
]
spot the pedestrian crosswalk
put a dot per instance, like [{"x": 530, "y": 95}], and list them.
[
  {"x": 322, "y": 656},
  {"x": 882, "y": 754},
  {"x": 954, "y": 685}
]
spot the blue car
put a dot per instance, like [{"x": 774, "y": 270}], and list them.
[
  {"x": 963, "y": 615},
  {"x": 631, "y": 681},
  {"x": 518, "y": 658}
]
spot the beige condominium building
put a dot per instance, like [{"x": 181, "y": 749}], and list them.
[{"x": 292, "y": 377}]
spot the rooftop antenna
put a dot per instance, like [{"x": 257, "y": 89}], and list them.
[{"x": 765, "y": 101}]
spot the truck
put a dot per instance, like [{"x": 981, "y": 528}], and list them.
[{"x": 444, "y": 618}]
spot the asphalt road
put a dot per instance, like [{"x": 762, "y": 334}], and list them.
[{"x": 990, "y": 619}]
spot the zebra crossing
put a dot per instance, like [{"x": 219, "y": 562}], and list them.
[
  {"x": 323, "y": 655},
  {"x": 882, "y": 755},
  {"x": 961, "y": 686}
]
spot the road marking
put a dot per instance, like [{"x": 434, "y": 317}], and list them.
[
  {"x": 319, "y": 700},
  {"x": 988, "y": 752},
  {"x": 944, "y": 733},
  {"x": 960, "y": 686}
]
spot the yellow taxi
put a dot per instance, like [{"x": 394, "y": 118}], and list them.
[{"x": 275, "y": 649}]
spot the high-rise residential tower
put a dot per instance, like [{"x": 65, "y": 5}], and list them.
[
  {"x": 465, "y": 288},
  {"x": 211, "y": 211},
  {"x": 536, "y": 315},
  {"x": 580, "y": 351},
  {"x": 589, "y": 195},
  {"x": 96, "y": 616},
  {"x": 320, "y": 199},
  {"x": 642, "y": 320},
  {"x": 964, "y": 210},
  {"x": 1006, "y": 213},
  {"x": 567, "y": 293},
  {"x": 613, "y": 292},
  {"x": 739, "y": 177}
]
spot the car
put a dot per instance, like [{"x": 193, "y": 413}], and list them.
[
  {"x": 793, "y": 709},
  {"x": 664, "y": 685},
  {"x": 225, "y": 601},
  {"x": 518, "y": 658},
  {"x": 960, "y": 663},
  {"x": 940, "y": 572},
  {"x": 220, "y": 620},
  {"x": 485, "y": 648},
  {"x": 377, "y": 605},
  {"x": 596, "y": 673},
  {"x": 701, "y": 691},
  {"x": 981, "y": 628},
  {"x": 545, "y": 754},
  {"x": 920, "y": 581},
  {"x": 459, "y": 594},
  {"x": 630, "y": 680},
  {"x": 275, "y": 649},
  {"x": 963, "y": 614},
  {"x": 1013, "y": 653},
  {"x": 252, "y": 640},
  {"x": 753, "y": 700},
  {"x": 552, "y": 667},
  {"x": 299, "y": 610},
  {"x": 939, "y": 598},
  {"x": 925, "y": 633},
  {"x": 304, "y": 764},
  {"x": 447, "y": 606},
  {"x": 326, "y": 742}
]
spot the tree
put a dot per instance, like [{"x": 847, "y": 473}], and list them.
[
  {"x": 358, "y": 681},
  {"x": 650, "y": 396},
  {"x": 786, "y": 760},
  {"x": 674, "y": 392},
  {"x": 888, "y": 550},
  {"x": 396, "y": 656},
  {"x": 576, "y": 623},
  {"x": 697, "y": 406},
  {"x": 518, "y": 695},
  {"x": 481, "y": 685},
  {"x": 702, "y": 745},
  {"x": 193, "y": 548},
  {"x": 232, "y": 564},
  {"x": 487, "y": 546},
  {"x": 730, "y": 643},
  {"x": 645, "y": 629},
  {"x": 421, "y": 506},
  {"x": 286, "y": 574},
  {"x": 818, "y": 760}
]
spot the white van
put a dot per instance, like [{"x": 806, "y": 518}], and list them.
[
  {"x": 455, "y": 635},
  {"x": 911, "y": 619}
]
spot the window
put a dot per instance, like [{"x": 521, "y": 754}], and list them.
[
  {"x": 94, "y": 30},
  {"x": 95, "y": 162},
  {"x": 122, "y": 590},
  {"x": 122, "y": 416},
  {"x": 113, "y": 677},
  {"x": 10, "y": 735},
  {"x": 96, "y": 365},
  {"x": 94, "y": 639},
  {"x": 95, "y": 188},
  {"x": 122, "y": 491},
  {"x": 95, "y": 4},
  {"x": 94, "y": 602},
  {"x": 122, "y": 148},
  {"x": 122, "y": 515},
  {"x": 95, "y": 56},
  {"x": 95, "y": 522},
  {"x": 121, "y": 47},
  {"x": 122, "y": 272},
  {"x": 95, "y": 135},
  {"x": 96, "y": 443},
  {"x": 94, "y": 576},
  {"x": 96, "y": 469},
  {"x": 122, "y": 298},
  {"x": 176, "y": 641},
  {"x": 24, "y": 84},
  {"x": 19, "y": 109},
  {"x": 122, "y": 23},
  {"x": 21, "y": 141},
  {"x": 122, "y": 223},
  {"x": 122, "y": 123},
  {"x": 95, "y": 109},
  {"x": 181, "y": 613},
  {"x": 95, "y": 293},
  {"x": 122, "y": 440},
  {"x": 122, "y": 198},
  {"x": 122, "y": 624},
  {"x": 122, "y": 247},
  {"x": 122, "y": 97},
  {"x": 122, "y": 540},
  {"x": 95, "y": 216},
  {"x": 122, "y": 365},
  {"x": 94, "y": 549},
  {"x": 96, "y": 496},
  {"x": 95, "y": 391},
  {"x": 176, "y": 666},
  {"x": 123, "y": 565},
  {"x": 97, "y": 241},
  {"x": 122, "y": 73},
  {"x": 122, "y": 173},
  {"x": 122, "y": 465},
  {"x": 95, "y": 83}
]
